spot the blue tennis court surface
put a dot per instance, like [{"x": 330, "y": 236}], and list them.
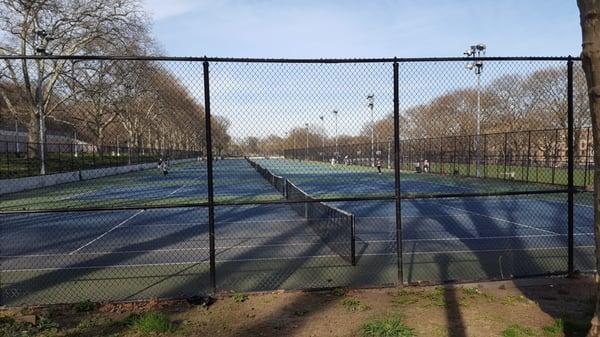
[{"x": 129, "y": 254}]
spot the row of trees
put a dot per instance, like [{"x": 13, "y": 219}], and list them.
[
  {"x": 513, "y": 102},
  {"x": 139, "y": 103}
]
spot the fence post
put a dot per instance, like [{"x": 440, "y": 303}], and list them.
[
  {"x": 397, "y": 176},
  {"x": 209, "y": 176},
  {"x": 570, "y": 167}
]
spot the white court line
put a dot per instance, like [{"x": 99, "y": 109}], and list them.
[
  {"x": 108, "y": 231},
  {"x": 172, "y": 249},
  {"x": 482, "y": 238},
  {"x": 279, "y": 245},
  {"x": 204, "y": 261},
  {"x": 69, "y": 197},
  {"x": 499, "y": 219},
  {"x": 179, "y": 189},
  {"x": 498, "y": 198}
]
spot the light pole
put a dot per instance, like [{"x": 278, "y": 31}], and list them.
[
  {"x": 306, "y": 155},
  {"x": 370, "y": 100},
  {"x": 41, "y": 50},
  {"x": 322, "y": 138},
  {"x": 335, "y": 115},
  {"x": 477, "y": 66}
]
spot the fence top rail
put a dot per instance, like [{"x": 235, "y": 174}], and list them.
[{"x": 287, "y": 60}]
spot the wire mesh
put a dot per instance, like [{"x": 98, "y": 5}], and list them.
[{"x": 118, "y": 203}]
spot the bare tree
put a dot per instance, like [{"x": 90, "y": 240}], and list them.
[{"x": 58, "y": 27}]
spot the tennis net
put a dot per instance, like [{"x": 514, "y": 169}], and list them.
[{"x": 335, "y": 227}]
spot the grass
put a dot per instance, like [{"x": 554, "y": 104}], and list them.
[
  {"x": 566, "y": 327},
  {"x": 353, "y": 305},
  {"x": 239, "y": 298},
  {"x": 513, "y": 300},
  {"x": 11, "y": 328},
  {"x": 387, "y": 327},
  {"x": 84, "y": 306},
  {"x": 338, "y": 292},
  {"x": 436, "y": 297},
  {"x": 517, "y": 330},
  {"x": 534, "y": 174},
  {"x": 151, "y": 323}
]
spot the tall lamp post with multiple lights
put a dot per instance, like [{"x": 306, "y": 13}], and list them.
[
  {"x": 476, "y": 66},
  {"x": 370, "y": 104},
  {"x": 43, "y": 38}
]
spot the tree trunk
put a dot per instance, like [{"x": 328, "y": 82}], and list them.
[
  {"x": 590, "y": 28},
  {"x": 33, "y": 137}
]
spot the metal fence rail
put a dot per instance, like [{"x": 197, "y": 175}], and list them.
[
  {"x": 538, "y": 156},
  {"x": 294, "y": 174}
]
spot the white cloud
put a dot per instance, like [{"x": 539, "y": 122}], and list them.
[{"x": 163, "y": 9}]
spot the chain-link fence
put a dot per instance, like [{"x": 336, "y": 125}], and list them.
[{"x": 194, "y": 175}]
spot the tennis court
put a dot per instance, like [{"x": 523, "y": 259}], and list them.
[{"x": 140, "y": 253}]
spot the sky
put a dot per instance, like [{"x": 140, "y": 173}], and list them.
[
  {"x": 375, "y": 28},
  {"x": 262, "y": 99}
]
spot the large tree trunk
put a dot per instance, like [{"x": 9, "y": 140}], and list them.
[
  {"x": 590, "y": 28},
  {"x": 33, "y": 137}
]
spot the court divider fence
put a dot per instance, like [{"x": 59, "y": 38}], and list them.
[{"x": 429, "y": 201}]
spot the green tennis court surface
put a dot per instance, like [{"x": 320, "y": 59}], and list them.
[{"x": 130, "y": 254}]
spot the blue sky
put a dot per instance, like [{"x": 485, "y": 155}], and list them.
[
  {"x": 376, "y": 28},
  {"x": 263, "y": 99}
]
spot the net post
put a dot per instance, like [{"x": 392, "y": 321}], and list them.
[
  {"x": 570, "y": 166},
  {"x": 209, "y": 177},
  {"x": 400, "y": 280}
]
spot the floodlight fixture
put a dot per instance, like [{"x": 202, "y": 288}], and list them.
[{"x": 476, "y": 51}]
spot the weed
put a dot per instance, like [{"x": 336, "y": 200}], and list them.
[
  {"x": 388, "y": 327},
  {"x": 517, "y": 330},
  {"x": 85, "y": 306},
  {"x": 512, "y": 300},
  {"x": 300, "y": 312},
  {"x": 471, "y": 292},
  {"x": 10, "y": 328},
  {"x": 339, "y": 292},
  {"x": 555, "y": 329},
  {"x": 436, "y": 297},
  {"x": 151, "y": 323},
  {"x": 352, "y": 304},
  {"x": 239, "y": 298}
]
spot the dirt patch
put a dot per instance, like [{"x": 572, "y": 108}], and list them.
[{"x": 548, "y": 307}]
